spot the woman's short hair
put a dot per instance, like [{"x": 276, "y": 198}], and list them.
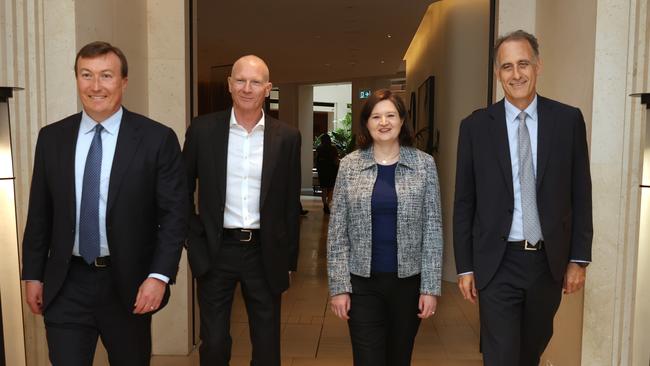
[{"x": 364, "y": 139}]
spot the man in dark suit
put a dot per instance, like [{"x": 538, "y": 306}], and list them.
[
  {"x": 522, "y": 211},
  {"x": 107, "y": 220},
  {"x": 247, "y": 227}
]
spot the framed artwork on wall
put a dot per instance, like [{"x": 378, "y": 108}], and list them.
[
  {"x": 425, "y": 132},
  {"x": 413, "y": 105}
]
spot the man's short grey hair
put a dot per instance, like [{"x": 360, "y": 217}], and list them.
[{"x": 518, "y": 35}]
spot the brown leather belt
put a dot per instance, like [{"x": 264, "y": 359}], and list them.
[
  {"x": 526, "y": 245},
  {"x": 241, "y": 235}
]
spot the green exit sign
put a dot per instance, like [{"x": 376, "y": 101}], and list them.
[{"x": 364, "y": 94}]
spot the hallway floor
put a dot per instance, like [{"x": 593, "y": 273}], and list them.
[{"x": 313, "y": 336}]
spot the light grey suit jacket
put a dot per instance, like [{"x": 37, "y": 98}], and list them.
[{"x": 419, "y": 220}]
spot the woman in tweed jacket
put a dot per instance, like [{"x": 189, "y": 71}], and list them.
[{"x": 384, "y": 246}]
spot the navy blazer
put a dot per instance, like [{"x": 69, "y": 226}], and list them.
[
  {"x": 206, "y": 155},
  {"x": 484, "y": 200},
  {"x": 146, "y": 213}
]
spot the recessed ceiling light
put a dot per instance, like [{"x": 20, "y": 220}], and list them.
[
  {"x": 328, "y": 65},
  {"x": 382, "y": 61},
  {"x": 389, "y": 35}
]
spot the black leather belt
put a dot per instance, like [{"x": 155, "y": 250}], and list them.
[
  {"x": 100, "y": 262},
  {"x": 526, "y": 245},
  {"x": 241, "y": 235}
]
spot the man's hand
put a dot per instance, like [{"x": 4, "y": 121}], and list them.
[
  {"x": 34, "y": 292},
  {"x": 427, "y": 306},
  {"x": 149, "y": 296},
  {"x": 467, "y": 287},
  {"x": 574, "y": 278},
  {"x": 340, "y": 305}
]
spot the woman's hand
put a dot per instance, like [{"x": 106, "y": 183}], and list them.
[
  {"x": 340, "y": 305},
  {"x": 427, "y": 306}
]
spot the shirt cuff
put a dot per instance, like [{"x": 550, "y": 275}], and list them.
[
  {"x": 579, "y": 261},
  {"x": 158, "y": 276},
  {"x": 465, "y": 273}
]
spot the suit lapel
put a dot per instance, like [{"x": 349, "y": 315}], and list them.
[
  {"x": 545, "y": 127},
  {"x": 127, "y": 145},
  {"x": 67, "y": 161},
  {"x": 220, "y": 132},
  {"x": 269, "y": 159},
  {"x": 499, "y": 132}
]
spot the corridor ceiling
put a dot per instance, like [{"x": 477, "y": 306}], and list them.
[{"x": 308, "y": 40}]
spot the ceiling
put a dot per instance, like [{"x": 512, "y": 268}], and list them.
[{"x": 308, "y": 41}]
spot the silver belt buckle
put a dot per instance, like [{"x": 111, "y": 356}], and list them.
[
  {"x": 528, "y": 246},
  {"x": 250, "y": 235}
]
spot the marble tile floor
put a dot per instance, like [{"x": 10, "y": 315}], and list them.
[{"x": 313, "y": 336}]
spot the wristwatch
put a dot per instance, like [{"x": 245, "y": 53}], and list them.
[{"x": 582, "y": 264}]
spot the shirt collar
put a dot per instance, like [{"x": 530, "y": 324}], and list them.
[
  {"x": 110, "y": 124},
  {"x": 259, "y": 124},
  {"x": 512, "y": 112}
]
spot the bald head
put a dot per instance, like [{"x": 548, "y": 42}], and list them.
[
  {"x": 251, "y": 61},
  {"x": 249, "y": 85}
]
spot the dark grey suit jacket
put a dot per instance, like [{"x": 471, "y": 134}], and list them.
[
  {"x": 146, "y": 213},
  {"x": 484, "y": 200},
  {"x": 205, "y": 154}
]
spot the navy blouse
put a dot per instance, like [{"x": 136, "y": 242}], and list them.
[{"x": 384, "y": 220}]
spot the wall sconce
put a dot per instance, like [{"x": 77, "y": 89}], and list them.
[{"x": 12, "y": 337}]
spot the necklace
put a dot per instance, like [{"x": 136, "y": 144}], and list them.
[{"x": 387, "y": 160}]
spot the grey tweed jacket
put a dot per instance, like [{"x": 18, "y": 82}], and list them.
[{"x": 419, "y": 220}]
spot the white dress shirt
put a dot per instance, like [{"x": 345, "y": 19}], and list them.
[{"x": 244, "y": 175}]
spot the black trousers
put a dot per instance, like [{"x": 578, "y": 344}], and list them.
[
  {"x": 383, "y": 319},
  {"x": 238, "y": 263},
  {"x": 89, "y": 306},
  {"x": 517, "y": 309}
]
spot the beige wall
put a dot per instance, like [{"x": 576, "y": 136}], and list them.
[
  {"x": 38, "y": 43},
  {"x": 296, "y": 109},
  {"x": 452, "y": 45},
  {"x": 641, "y": 339},
  {"x": 617, "y": 134},
  {"x": 123, "y": 23},
  {"x": 566, "y": 41}
]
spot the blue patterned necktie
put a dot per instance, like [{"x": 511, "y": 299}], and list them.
[
  {"x": 89, "y": 212},
  {"x": 532, "y": 227}
]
